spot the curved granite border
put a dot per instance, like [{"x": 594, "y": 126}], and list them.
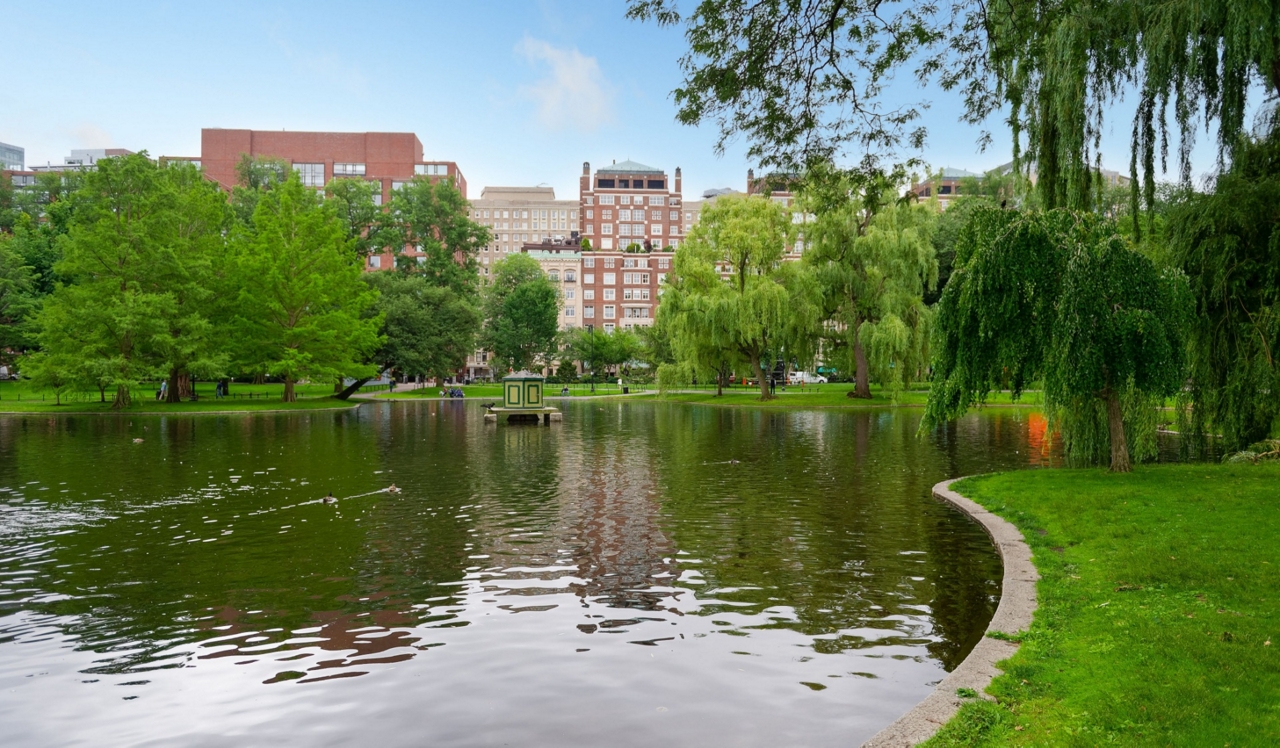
[{"x": 1017, "y": 604}]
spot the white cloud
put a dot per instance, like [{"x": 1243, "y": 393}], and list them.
[{"x": 574, "y": 93}]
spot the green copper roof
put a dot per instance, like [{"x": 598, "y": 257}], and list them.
[{"x": 628, "y": 167}]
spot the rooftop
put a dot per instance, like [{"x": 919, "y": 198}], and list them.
[{"x": 628, "y": 167}]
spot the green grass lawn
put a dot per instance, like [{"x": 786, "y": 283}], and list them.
[
  {"x": 1159, "y": 610},
  {"x": 825, "y": 396},
  {"x": 494, "y": 391},
  {"x": 22, "y": 397}
]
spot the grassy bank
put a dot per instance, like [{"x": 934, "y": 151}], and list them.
[
  {"x": 1159, "y": 609},
  {"x": 22, "y": 397},
  {"x": 494, "y": 391},
  {"x": 824, "y": 396}
]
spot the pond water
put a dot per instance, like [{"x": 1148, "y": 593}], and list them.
[{"x": 639, "y": 573}]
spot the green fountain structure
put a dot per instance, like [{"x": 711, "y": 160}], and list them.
[{"x": 522, "y": 400}]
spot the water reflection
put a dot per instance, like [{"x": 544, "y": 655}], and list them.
[{"x": 683, "y": 573}]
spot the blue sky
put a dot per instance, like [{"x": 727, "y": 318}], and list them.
[{"x": 518, "y": 93}]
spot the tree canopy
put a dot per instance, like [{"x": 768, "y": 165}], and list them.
[
  {"x": 1059, "y": 297},
  {"x": 764, "y": 310},
  {"x": 1228, "y": 243},
  {"x": 521, "y": 314}
]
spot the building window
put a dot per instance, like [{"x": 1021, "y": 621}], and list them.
[
  {"x": 635, "y": 279},
  {"x": 675, "y": 215},
  {"x": 588, "y": 262},
  {"x": 628, "y": 262},
  {"x": 604, "y": 184},
  {"x": 664, "y": 263},
  {"x": 568, "y": 311},
  {"x": 624, "y": 215},
  {"x": 657, "y": 184},
  {"x": 608, "y": 262},
  {"x": 632, "y": 312},
  {"x": 570, "y": 276},
  {"x": 591, "y": 200},
  {"x": 606, "y": 228},
  {"x": 610, "y": 294},
  {"x": 312, "y": 175},
  {"x": 605, "y": 200},
  {"x": 609, "y": 310},
  {"x": 431, "y": 170},
  {"x": 375, "y": 262},
  {"x": 349, "y": 170},
  {"x": 610, "y": 279},
  {"x": 609, "y": 327},
  {"x": 657, "y": 200},
  {"x": 588, "y": 277},
  {"x": 657, "y": 228},
  {"x": 591, "y": 229},
  {"x": 397, "y": 185},
  {"x": 588, "y": 312},
  {"x": 554, "y": 275},
  {"x": 591, "y": 214},
  {"x": 624, "y": 229},
  {"x": 588, "y": 294},
  {"x": 569, "y": 293}
]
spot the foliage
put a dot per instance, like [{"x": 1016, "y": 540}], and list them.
[
  {"x": 521, "y": 314},
  {"x": 434, "y": 218},
  {"x": 946, "y": 234},
  {"x": 18, "y": 301},
  {"x": 428, "y": 330},
  {"x": 352, "y": 201},
  {"x": 301, "y": 298},
  {"x": 1228, "y": 243},
  {"x": 802, "y": 80},
  {"x": 1157, "y": 621},
  {"x": 601, "y": 351},
  {"x": 874, "y": 264},
  {"x": 255, "y": 175},
  {"x": 1267, "y": 449},
  {"x": 125, "y": 256},
  {"x": 1058, "y": 296},
  {"x": 767, "y": 308}
]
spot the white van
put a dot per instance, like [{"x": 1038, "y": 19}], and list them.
[{"x": 804, "y": 377}]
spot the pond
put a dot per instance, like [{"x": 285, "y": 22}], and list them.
[{"x": 641, "y": 572}]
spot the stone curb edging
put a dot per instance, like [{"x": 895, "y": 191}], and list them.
[{"x": 1017, "y": 605}]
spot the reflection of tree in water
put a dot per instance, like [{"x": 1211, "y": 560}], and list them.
[{"x": 828, "y": 515}]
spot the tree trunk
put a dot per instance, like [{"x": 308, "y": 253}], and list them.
[
  {"x": 123, "y": 398},
  {"x": 353, "y": 389},
  {"x": 102, "y": 393},
  {"x": 720, "y": 377},
  {"x": 259, "y": 378},
  {"x": 1115, "y": 423},
  {"x": 186, "y": 390},
  {"x": 861, "y": 371},
  {"x": 289, "y": 396},
  {"x": 764, "y": 383},
  {"x": 174, "y": 393},
  {"x": 338, "y": 388}
]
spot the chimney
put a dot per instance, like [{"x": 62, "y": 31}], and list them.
[
  {"x": 678, "y": 190},
  {"x": 751, "y": 181},
  {"x": 586, "y": 168}
]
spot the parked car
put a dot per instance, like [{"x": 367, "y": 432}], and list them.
[{"x": 804, "y": 377}]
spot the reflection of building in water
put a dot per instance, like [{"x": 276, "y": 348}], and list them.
[{"x": 600, "y": 515}]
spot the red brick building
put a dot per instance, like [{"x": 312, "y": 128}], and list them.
[
  {"x": 387, "y": 158},
  {"x": 629, "y": 203}
]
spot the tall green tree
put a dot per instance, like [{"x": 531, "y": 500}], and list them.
[
  {"x": 427, "y": 330},
  {"x": 434, "y": 218},
  {"x": 18, "y": 301},
  {"x": 1228, "y": 243},
  {"x": 255, "y": 176},
  {"x": 874, "y": 263},
  {"x": 120, "y": 256},
  {"x": 353, "y": 201},
  {"x": 300, "y": 310},
  {"x": 521, "y": 314},
  {"x": 1060, "y": 297},
  {"x": 766, "y": 309}
]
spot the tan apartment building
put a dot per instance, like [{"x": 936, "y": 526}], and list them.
[
  {"x": 630, "y": 203},
  {"x": 517, "y": 216}
]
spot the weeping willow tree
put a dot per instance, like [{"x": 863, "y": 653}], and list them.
[
  {"x": 1059, "y": 297},
  {"x": 1228, "y": 243},
  {"x": 805, "y": 79},
  {"x": 873, "y": 257},
  {"x": 733, "y": 298}
]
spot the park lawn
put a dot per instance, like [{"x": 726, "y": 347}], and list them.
[
  {"x": 1159, "y": 609},
  {"x": 22, "y": 397},
  {"x": 494, "y": 391},
  {"x": 826, "y": 396}
]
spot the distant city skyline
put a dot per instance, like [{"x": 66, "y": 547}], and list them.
[{"x": 516, "y": 95}]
